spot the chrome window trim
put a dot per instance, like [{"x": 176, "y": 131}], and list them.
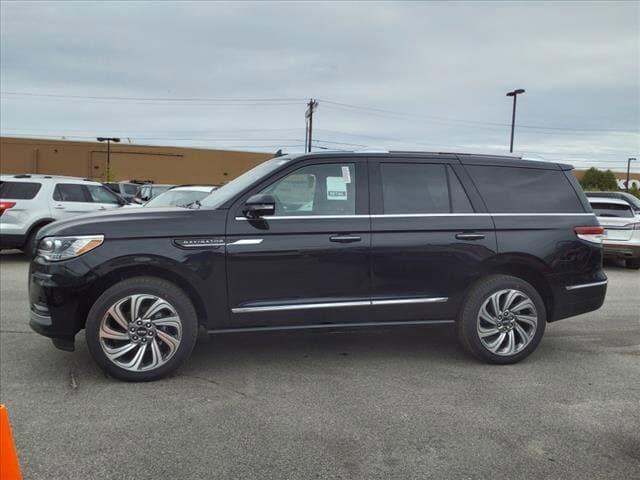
[
  {"x": 417, "y": 215},
  {"x": 586, "y": 285},
  {"x": 358, "y": 303}
]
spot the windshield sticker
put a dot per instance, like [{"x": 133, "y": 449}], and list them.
[{"x": 336, "y": 188}]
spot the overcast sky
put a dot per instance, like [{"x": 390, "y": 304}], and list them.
[{"x": 421, "y": 76}]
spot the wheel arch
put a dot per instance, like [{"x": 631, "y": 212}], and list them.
[
  {"x": 528, "y": 268},
  {"x": 38, "y": 224},
  {"x": 126, "y": 272}
]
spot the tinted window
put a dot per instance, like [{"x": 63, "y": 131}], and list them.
[
  {"x": 525, "y": 190},
  {"x": 612, "y": 210},
  {"x": 19, "y": 190},
  {"x": 70, "y": 192},
  {"x": 130, "y": 189},
  {"x": 100, "y": 194},
  {"x": 113, "y": 186},
  {"x": 422, "y": 188},
  {"x": 327, "y": 189}
]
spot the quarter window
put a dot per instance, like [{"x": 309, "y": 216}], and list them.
[
  {"x": 525, "y": 190},
  {"x": 19, "y": 190},
  {"x": 411, "y": 188},
  {"x": 324, "y": 189}
]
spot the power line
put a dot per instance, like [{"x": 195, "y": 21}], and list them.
[
  {"x": 155, "y": 99},
  {"x": 376, "y": 110}
]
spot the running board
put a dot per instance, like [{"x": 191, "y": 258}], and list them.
[{"x": 329, "y": 326}]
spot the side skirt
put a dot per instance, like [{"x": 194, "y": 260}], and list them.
[{"x": 327, "y": 326}]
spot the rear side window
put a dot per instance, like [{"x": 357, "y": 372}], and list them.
[
  {"x": 525, "y": 190},
  {"x": 410, "y": 188},
  {"x": 71, "y": 192},
  {"x": 19, "y": 190},
  {"x": 612, "y": 210}
]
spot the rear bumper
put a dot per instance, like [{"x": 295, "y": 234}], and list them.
[
  {"x": 613, "y": 249},
  {"x": 578, "y": 298},
  {"x": 11, "y": 240}
]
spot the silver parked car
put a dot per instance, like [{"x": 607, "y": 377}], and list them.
[
  {"x": 622, "y": 229},
  {"x": 29, "y": 202}
]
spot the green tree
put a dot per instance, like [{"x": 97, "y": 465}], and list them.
[{"x": 595, "y": 179}]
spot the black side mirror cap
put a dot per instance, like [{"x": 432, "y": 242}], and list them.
[{"x": 259, "y": 206}]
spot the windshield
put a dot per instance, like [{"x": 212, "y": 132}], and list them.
[
  {"x": 239, "y": 184},
  {"x": 176, "y": 198}
]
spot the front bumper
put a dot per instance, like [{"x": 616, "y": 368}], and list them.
[
  {"x": 614, "y": 249},
  {"x": 57, "y": 294}
]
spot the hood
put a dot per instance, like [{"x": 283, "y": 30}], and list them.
[{"x": 140, "y": 223}]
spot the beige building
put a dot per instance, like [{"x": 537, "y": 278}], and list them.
[
  {"x": 127, "y": 161},
  {"x": 142, "y": 162}
]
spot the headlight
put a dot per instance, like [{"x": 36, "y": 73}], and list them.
[{"x": 55, "y": 249}]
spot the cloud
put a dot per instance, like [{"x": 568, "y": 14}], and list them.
[{"x": 441, "y": 68}]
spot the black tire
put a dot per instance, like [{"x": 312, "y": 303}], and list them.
[
  {"x": 149, "y": 286},
  {"x": 467, "y": 322},
  {"x": 29, "y": 247},
  {"x": 632, "y": 263}
]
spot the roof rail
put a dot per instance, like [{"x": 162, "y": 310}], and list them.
[
  {"x": 22, "y": 175},
  {"x": 484, "y": 154}
]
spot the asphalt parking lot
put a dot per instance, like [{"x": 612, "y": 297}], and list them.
[{"x": 400, "y": 403}]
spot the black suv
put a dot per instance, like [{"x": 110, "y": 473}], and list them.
[{"x": 496, "y": 245}]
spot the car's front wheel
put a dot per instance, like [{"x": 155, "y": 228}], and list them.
[
  {"x": 502, "y": 319},
  {"x": 141, "y": 329}
]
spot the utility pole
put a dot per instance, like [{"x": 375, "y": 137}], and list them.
[
  {"x": 632, "y": 159},
  {"x": 311, "y": 107},
  {"x": 108, "y": 140},
  {"x": 513, "y": 94}
]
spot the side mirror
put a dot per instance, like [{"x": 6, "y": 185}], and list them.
[{"x": 259, "y": 206}]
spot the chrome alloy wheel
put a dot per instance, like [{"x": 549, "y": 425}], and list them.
[
  {"x": 140, "y": 332},
  {"x": 507, "y": 322}
]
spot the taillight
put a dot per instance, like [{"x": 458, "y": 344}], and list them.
[
  {"x": 6, "y": 206},
  {"x": 590, "y": 234}
]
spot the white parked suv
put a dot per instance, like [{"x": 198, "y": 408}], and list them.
[
  {"x": 621, "y": 229},
  {"x": 28, "y": 202}
]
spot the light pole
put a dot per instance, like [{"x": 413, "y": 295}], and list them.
[
  {"x": 632, "y": 159},
  {"x": 514, "y": 94},
  {"x": 108, "y": 140}
]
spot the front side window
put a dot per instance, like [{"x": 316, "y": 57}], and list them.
[
  {"x": 100, "y": 194},
  {"x": 130, "y": 189},
  {"x": 324, "y": 189},
  {"x": 415, "y": 188}
]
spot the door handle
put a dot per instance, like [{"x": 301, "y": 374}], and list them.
[
  {"x": 469, "y": 236},
  {"x": 59, "y": 207},
  {"x": 345, "y": 238}
]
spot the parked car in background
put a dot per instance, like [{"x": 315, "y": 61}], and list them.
[
  {"x": 622, "y": 229},
  {"x": 633, "y": 201},
  {"x": 497, "y": 246},
  {"x": 126, "y": 190},
  {"x": 149, "y": 191},
  {"x": 181, "y": 196},
  {"x": 29, "y": 202}
]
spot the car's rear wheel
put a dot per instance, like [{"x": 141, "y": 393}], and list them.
[
  {"x": 141, "y": 329},
  {"x": 502, "y": 319}
]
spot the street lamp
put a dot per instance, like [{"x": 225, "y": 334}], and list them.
[
  {"x": 632, "y": 159},
  {"x": 108, "y": 140},
  {"x": 514, "y": 94}
]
